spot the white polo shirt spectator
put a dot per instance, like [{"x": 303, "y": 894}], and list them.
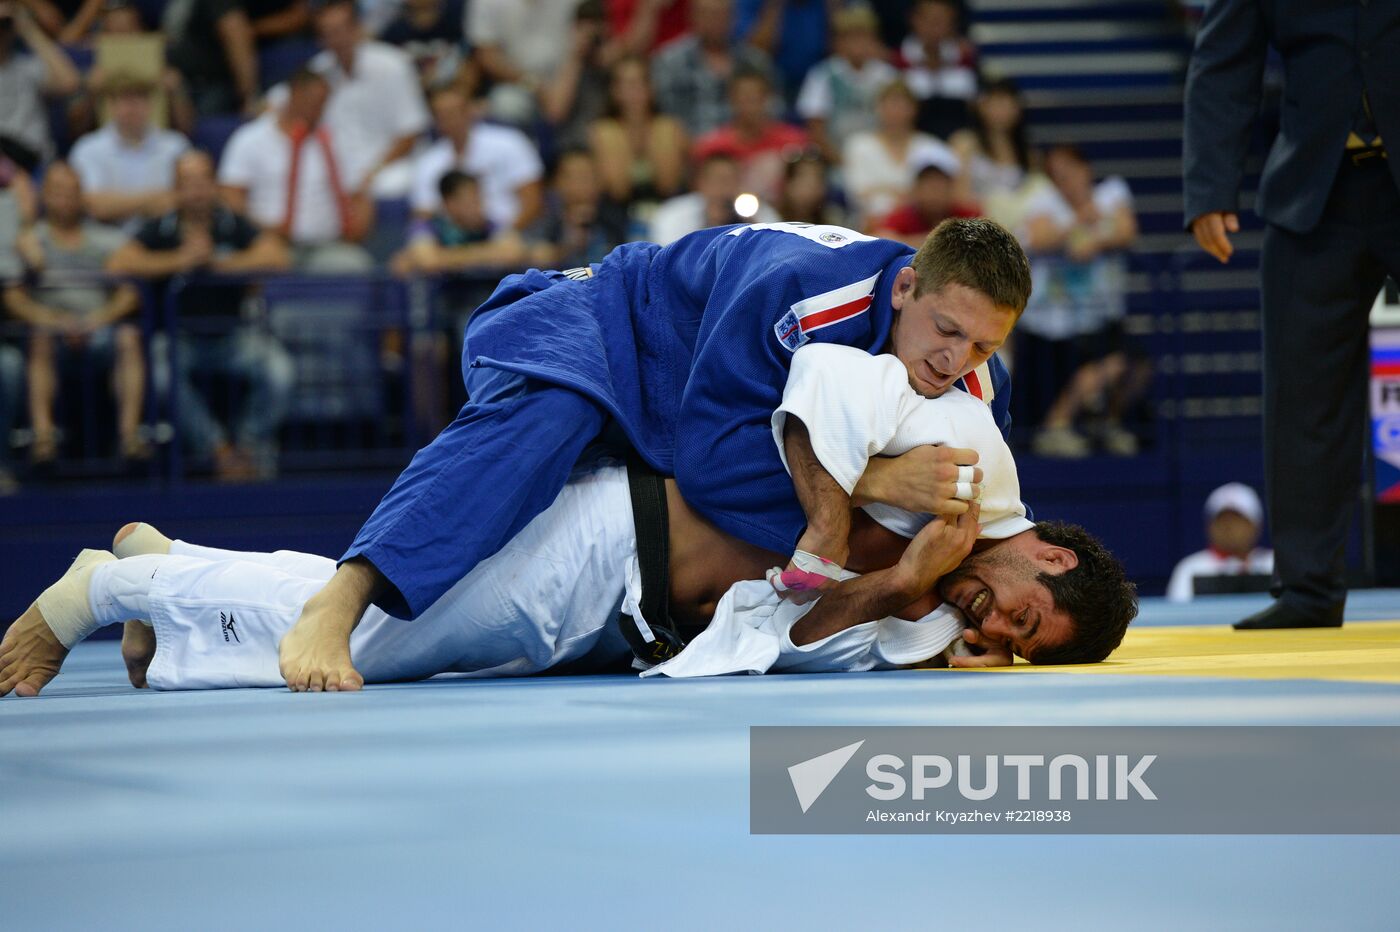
[
  {"x": 954, "y": 75},
  {"x": 378, "y": 102},
  {"x": 107, "y": 162},
  {"x": 503, "y": 160},
  {"x": 259, "y": 159},
  {"x": 877, "y": 180},
  {"x": 843, "y": 95},
  {"x": 534, "y": 34}
]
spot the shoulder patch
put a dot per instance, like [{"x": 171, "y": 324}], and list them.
[{"x": 824, "y": 310}]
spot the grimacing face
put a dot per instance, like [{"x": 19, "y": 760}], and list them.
[
  {"x": 1000, "y": 595},
  {"x": 942, "y": 335}
]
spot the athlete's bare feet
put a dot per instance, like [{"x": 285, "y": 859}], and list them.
[
  {"x": 138, "y": 638},
  {"x": 138, "y": 650},
  {"x": 315, "y": 654},
  {"x": 30, "y": 655}
]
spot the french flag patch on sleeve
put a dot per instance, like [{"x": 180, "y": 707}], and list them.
[{"x": 824, "y": 310}]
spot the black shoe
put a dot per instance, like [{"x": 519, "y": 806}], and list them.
[{"x": 1283, "y": 615}]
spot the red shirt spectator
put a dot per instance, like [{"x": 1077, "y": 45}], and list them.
[
  {"x": 644, "y": 27},
  {"x": 930, "y": 203},
  {"x": 754, "y": 139}
]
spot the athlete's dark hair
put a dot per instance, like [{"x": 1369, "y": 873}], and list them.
[
  {"x": 1096, "y": 595},
  {"x": 979, "y": 254}
]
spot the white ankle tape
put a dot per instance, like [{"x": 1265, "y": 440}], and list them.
[
  {"x": 65, "y": 605},
  {"x": 145, "y": 539}
]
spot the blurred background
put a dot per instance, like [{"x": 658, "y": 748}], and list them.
[{"x": 239, "y": 239}]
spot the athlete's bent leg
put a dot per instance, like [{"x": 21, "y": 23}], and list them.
[{"x": 488, "y": 474}]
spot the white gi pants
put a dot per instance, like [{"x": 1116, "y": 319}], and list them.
[{"x": 550, "y": 596}]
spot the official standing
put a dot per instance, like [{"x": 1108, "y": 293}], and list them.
[{"x": 1330, "y": 196}]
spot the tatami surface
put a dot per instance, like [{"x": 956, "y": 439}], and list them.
[{"x": 609, "y": 802}]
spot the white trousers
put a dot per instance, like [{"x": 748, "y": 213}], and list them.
[{"x": 549, "y": 597}]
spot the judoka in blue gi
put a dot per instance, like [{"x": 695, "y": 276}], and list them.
[{"x": 680, "y": 353}]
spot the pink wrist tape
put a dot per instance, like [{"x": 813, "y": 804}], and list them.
[{"x": 810, "y": 572}]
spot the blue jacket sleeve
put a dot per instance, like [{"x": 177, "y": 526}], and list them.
[{"x": 726, "y": 464}]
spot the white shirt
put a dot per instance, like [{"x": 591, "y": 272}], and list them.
[
  {"x": 951, "y": 80},
  {"x": 258, "y": 158},
  {"x": 875, "y": 180},
  {"x": 835, "y": 91},
  {"x": 685, "y": 213},
  {"x": 1182, "y": 587},
  {"x": 107, "y": 162},
  {"x": 502, "y": 159},
  {"x": 1070, "y": 298},
  {"x": 533, "y": 34},
  {"x": 856, "y": 405},
  {"x": 377, "y": 103}
]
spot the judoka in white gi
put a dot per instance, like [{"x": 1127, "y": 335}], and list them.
[{"x": 553, "y": 595}]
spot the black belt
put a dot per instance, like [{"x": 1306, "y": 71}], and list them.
[
  {"x": 651, "y": 520},
  {"x": 1359, "y": 156}
]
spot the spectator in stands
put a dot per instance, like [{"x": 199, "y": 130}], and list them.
[
  {"x": 430, "y": 32},
  {"x": 27, "y": 78},
  {"x": 929, "y": 204},
  {"x": 879, "y": 166},
  {"x": 580, "y": 225},
  {"x": 718, "y": 199},
  {"x": 121, "y": 20},
  {"x": 640, "y": 153},
  {"x": 376, "y": 111},
  {"x": 110, "y": 17},
  {"x": 1071, "y": 344},
  {"x": 286, "y": 172},
  {"x": 202, "y": 236},
  {"x": 576, "y": 95},
  {"x": 793, "y": 33},
  {"x": 1234, "y": 520},
  {"x": 128, "y": 166},
  {"x": 691, "y": 74},
  {"x": 275, "y": 20},
  {"x": 806, "y": 196},
  {"x": 519, "y": 46},
  {"x": 459, "y": 237},
  {"x": 212, "y": 46},
  {"x": 758, "y": 142},
  {"x": 839, "y": 93},
  {"x": 16, "y": 213},
  {"x": 76, "y": 318},
  {"x": 994, "y": 151},
  {"x": 643, "y": 26},
  {"x": 502, "y": 159},
  {"x": 940, "y": 66}
]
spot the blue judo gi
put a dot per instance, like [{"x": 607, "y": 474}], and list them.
[{"x": 684, "y": 348}]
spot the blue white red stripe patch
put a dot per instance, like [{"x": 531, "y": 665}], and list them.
[{"x": 825, "y": 310}]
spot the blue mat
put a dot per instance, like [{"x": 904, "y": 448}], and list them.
[{"x": 606, "y": 802}]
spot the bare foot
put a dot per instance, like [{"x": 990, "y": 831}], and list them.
[
  {"x": 315, "y": 654},
  {"x": 138, "y": 649},
  {"x": 138, "y": 638},
  {"x": 30, "y": 655}
]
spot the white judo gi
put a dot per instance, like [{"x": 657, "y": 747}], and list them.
[
  {"x": 552, "y": 595},
  {"x": 549, "y": 597},
  {"x": 856, "y": 406}
]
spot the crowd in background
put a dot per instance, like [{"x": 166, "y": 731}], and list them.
[{"x": 140, "y": 142}]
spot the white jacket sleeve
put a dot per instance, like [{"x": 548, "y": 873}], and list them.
[
  {"x": 751, "y": 633},
  {"x": 851, "y": 402}
]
